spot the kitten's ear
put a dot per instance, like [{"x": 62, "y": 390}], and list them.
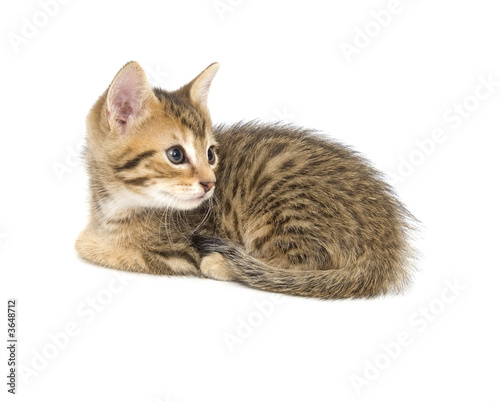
[
  {"x": 199, "y": 87},
  {"x": 127, "y": 97}
]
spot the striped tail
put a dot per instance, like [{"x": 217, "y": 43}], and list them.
[{"x": 349, "y": 282}]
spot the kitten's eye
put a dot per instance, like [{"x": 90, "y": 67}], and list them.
[
  {"x": 176, "y": 155},
  {"x": 211, "y": 155}
]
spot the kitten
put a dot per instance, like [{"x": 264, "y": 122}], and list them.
[{"x": 274, "y": 207}]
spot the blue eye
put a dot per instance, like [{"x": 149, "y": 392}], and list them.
[
  {"x": 176, "y": 155},
  {"x": 211, "y": 155}
]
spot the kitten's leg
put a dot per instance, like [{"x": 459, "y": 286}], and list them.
[
  {"x": 98, "y": 251},
  {"x": 215, "y": 266},
  {"x": 172, "y": 262},
  {"x": 160, "y": 262}
]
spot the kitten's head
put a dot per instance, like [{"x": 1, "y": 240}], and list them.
[{"x": 151, "y": 148}]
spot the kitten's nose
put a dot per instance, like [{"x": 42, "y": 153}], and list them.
[{"x": 207, "y": 185}]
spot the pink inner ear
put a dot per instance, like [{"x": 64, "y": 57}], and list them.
[
  {"x": 124, "y": 99},
  {"x": 125, "y": 106}
]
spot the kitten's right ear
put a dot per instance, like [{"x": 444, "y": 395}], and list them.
[
  {"x": 127, "y": 97},
  {"x": 199, "y": 87}
]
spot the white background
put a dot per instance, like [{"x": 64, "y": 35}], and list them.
[{"x": 165, "y": 339}]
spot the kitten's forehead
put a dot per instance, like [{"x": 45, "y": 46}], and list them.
[{"x": 177, "y": 107}]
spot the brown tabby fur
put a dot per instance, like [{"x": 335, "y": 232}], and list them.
[{"x": 291, "y": 212}]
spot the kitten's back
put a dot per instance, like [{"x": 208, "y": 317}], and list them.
[{"x": 300, "y": 202}]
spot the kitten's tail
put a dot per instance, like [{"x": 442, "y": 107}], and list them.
[{"x": 349, "y": 282}]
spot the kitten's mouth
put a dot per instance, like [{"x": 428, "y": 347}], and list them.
[
  {"x": 193, "y": 202},
  {"x": 189, "y": 202},
  {"x": 201, "y": 197}
]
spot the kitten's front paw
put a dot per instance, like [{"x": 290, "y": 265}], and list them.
[{"x": 214, "y": 266}]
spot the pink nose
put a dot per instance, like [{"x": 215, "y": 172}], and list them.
[{"x": 207, "y": 185}]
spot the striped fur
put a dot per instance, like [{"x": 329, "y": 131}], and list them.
[{"x": 290, "y": 212}]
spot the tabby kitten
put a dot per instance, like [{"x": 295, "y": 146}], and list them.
[{"x": 274, "y": 207}]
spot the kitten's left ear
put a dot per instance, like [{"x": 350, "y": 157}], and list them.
[
  {"x": 199, "y": 87},
  {"x": 127, "y": 97}
]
